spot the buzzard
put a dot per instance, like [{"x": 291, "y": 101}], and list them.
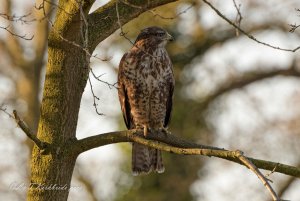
[{"x": 145, "y": 89}]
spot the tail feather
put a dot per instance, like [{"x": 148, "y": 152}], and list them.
[{"x": 146, "y": 159}]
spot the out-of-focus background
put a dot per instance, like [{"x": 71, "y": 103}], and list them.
[{"x": 230, "y": 92}]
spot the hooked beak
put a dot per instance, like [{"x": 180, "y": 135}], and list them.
[{"x": 169, "y": 37}]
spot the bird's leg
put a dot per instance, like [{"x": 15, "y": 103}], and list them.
[
  {"x": 145, "y": 130},
  {"x": 165, "y": 131}
]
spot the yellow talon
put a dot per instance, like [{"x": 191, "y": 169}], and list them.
[{"x": 145, "y": 131}]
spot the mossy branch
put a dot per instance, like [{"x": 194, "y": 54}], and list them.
[{"x": 174, "y": 144}]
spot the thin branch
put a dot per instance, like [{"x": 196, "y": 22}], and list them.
[
  {"x": 84, "y": 35},
  {"x": 111, "y": 86},
  {"x": 177, "y": 14},
  {"x": 95, "y": 98},
  {"x": 28, "y": 132},
  {"x": 270, "y": 173},
  {"x": 5, "y": 111},
  {"x": 238, "y": 18},
  {"x": 41, "y": 145},
  {"x": 17, "y": 18},
  {"x": 85, "y": 49},
  {"x": 122, "y": 33},
  {"x": 293, "y": 27},
  {"x": 247, "y": 34},
  {"x": 174, "y": 144},
  {"x": 254, "y": 169},
  {"x": 16, "y": 35}
]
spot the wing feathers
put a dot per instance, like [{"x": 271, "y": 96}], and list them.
[{"x": 123, "y": 96}]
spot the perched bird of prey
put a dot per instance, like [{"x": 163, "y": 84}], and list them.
[{"x": 145, "y": 88}]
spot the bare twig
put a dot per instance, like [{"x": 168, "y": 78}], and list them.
[
  {"x": 122, "y": 33},
  {"x": 95, "y": 98},
  {"x": 293, "y": 27},
  {"x": 28, "y": 132},
  {"x": 25, "y": 128},
  {"x": 238, "y": 18},
  {"x": 254, "y": 169},
  {"x": 84, "y": 35},
  {"x": 174, "y": 17},
  {"x": 17, "y": 18},
  {"x": 98, "y": 78},
  {"x": 16, "y": 35},
  {"x": 247, "y": 34},
  {"x": 85, "y": 49},
  {"x": 271, "y": 172},
  {"x": 82, "y": 47},
  {"x": 3, "y": 109}
]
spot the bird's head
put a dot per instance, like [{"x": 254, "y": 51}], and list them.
[{"x": 155, "y": 35}]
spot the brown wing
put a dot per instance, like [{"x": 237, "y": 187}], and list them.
[
  {"x": 123, "y": 96},
  {"x": 169, "y": 104}
]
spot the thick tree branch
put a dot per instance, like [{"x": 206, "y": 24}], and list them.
[
  {"x": 105, "y": 17},
  {"x": 173, "y": 144}
]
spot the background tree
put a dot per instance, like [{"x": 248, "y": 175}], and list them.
[{"x": 186, "y": 54}]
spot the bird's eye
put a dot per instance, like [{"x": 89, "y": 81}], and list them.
[{"x": 160, "y": 34}]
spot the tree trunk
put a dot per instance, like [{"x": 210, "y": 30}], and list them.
[
  {"x": 66, "y": 76},
  {"x": 65, "y": 81}
]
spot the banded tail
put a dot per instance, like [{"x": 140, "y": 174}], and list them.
[{"x": 146, "y": 159}]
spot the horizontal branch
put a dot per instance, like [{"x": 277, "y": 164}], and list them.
[{"x": 174, "y": 144}]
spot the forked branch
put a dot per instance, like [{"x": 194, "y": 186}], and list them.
[{"x": 256, "y": 171}]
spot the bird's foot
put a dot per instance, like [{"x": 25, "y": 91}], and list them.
[
  {"x": 165, "y": 131},
  {"x": 146, "y": 130}
]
